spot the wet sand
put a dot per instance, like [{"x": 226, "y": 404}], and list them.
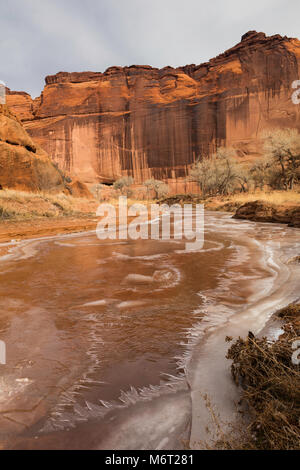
[{"x": 35, "y": 228}]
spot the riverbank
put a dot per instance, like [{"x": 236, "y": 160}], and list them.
[
  {"x": 42, "y": 227},
  {"x": 268, "y": 374},
  {"x": 29, "y": 215},
  {"x": 25, "y": 215},
  {"x": 276, "y": 206}
]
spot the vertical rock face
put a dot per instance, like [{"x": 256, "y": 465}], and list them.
[{"x": 146, "y": 122}]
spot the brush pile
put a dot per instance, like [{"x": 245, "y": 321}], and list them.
[{"x": 270, "y": 378}]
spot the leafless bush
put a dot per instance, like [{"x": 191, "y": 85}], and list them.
[
  {"x": 123, "y": 185},
  {"x": 221, "y": 174},
  {"x": 282, "y": 147},
  {"x": 160, "y": 188}
]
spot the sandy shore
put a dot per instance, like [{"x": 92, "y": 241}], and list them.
[
  {"x": 42, "y": 227},
  {"x": 275, "y": 207},
  {"x": 242, "y": 207},
  {"x": 18, "y": 230}
]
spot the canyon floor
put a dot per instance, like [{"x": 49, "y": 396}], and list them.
[{"x": 61, "y": 214}]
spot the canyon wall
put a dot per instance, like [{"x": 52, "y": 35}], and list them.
[
  {"x": 149, "y": 122},
  {"x": 23, "y": 164}
]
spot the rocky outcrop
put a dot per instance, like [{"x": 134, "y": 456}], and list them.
[
  {"x": 23, "y": 164},
  {"x": 78, "y": 189},
  {"x": 149, "y": 122},
  {"x": 259, "y": 211},
  {"x": 22, "y": 104}
]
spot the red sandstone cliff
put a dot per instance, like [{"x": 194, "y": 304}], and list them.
[
  {"x": 23, "y": 164},
  {"x": 146, "y": 122}
]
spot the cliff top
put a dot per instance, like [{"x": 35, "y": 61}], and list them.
[{"x": 250, "y": 40}]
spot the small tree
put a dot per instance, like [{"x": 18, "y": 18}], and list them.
[
  {"x": 221, "y": 174},
  {"x": 261, "y": 172},
  {"x": 226, "y": 171},
  {"x": 201, "y": 173},
  {"x": 243, "y": 177},
  {"x": 283, "y": 148},
  {"x": 160, "y": 188},
  {"x": 123, "y": 185}
]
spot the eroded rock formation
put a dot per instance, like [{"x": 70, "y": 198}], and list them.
[
  {"x": 145, "y": 122},
  {"x": 260, "y": 211},
  {"x": 23, "y": 164}
]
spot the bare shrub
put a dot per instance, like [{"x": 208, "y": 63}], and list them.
[
  {"x": 221, "y": 174},
  {"x": 160, "y": 188},
  {"x": 123, "y": 185},
  {"x": 282, "y": 147}
]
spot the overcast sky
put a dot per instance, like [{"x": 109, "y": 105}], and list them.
[{"x": 43, "y": 37}]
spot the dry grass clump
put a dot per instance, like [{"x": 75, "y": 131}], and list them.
[
  {"x": 272, "y": 197},
  {"x": 271, "y": 385},
  {"x": 181, "y": 199},
  {"x": 25, "y": 205},
  {"x": 234, "y": 201}
]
